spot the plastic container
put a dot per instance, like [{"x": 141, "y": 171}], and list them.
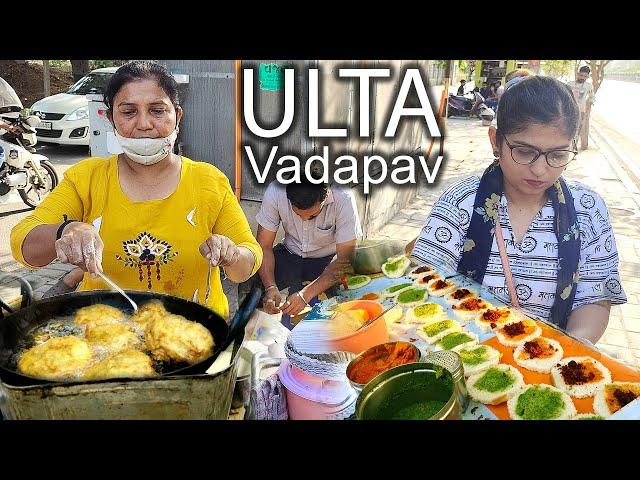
[
  {"x": 373, "y": 334},
  {"x": 310, "y": 397}
]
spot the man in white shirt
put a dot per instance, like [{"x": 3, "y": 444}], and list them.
[
  {"x": 582, "y": 90},
  {"x": 583, "y": 93},
  {"x": 321, "y": 225}
]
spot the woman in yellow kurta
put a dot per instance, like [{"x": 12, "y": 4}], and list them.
[{"x": 150, "y": 219}]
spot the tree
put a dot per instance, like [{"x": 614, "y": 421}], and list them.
[
  {"x": 597, "y": 72},
  {"x": 558, "y": 68},
  {"x": 107, "y": 63},
  {"x": 463, "y": 66},
  {"x": 79, "y": 68},
  {"x": 472, "y": 67}
]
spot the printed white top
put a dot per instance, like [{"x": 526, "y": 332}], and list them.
[{"x": 534, "y": 261}]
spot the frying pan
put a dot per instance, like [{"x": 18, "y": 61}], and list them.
[{"x": 18, "y": 325}]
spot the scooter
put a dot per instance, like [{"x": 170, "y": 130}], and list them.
[
  {"x": 21, "y": 168},
  {"x": 465, "y": 106}
]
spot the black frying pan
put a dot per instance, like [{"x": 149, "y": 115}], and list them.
[{"x": 18, "y": 325}]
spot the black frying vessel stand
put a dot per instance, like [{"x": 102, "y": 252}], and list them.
[{"x": 18, "y": 325}]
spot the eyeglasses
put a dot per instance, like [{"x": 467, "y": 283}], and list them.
[{"x": 527, "y": 155}]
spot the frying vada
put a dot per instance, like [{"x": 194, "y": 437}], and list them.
[
  {"x": 114, "y": 337},
  {"x": 56, "y": 359},
  {"x": 125, "y": 364},
  {"x": 148, "y": 312},
  {"x": 98, "y": 314},
  {"x": 174, "y": 338}
]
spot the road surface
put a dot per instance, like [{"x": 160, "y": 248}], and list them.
[{"x": 617, "y": 112}]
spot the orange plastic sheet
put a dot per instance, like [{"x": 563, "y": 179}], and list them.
[{"x": 572, "y": 348}]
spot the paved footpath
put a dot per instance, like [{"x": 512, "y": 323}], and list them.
[{"x": 468, "y": 151}]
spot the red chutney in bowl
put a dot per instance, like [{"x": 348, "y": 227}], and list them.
[{"x": 372, "y": 362}]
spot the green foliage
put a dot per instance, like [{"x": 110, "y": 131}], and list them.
[
  {"x": 597, "y": 72},
  {"x": 53, "y": 63},
  {"x": 93, "y": 64},
  {"x": 101, "y": 63},
  {"x": 558, "y": 68},
  {"x": 60, "y": 63}
]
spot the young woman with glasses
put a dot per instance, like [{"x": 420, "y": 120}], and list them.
[{"x": 559, "y": 258}]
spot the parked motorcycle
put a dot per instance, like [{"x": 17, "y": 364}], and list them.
[
  {"x": 24, "y": 170},
  {"x": 468, "y": 106}
]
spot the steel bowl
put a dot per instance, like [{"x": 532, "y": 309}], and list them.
[
  {"x": 371, "y": 254},
  {"x": 405, "y": 386},
  {"x": 372, "y": 352}
]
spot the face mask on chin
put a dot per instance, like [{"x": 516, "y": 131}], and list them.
[{"x": 147, "y": 151}]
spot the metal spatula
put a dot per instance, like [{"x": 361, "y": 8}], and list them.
[
  {"x": 369, "y": 322},
  {"x": 119, "y": 290}
]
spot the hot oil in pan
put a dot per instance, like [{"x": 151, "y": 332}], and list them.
[
  {"x": 64, "y": 326},
  {"x": 59, "y": 327}
]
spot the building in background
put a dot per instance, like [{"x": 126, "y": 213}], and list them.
[
  {"x": 212, "y": 117},
  {"x": 495, "y": 70}
]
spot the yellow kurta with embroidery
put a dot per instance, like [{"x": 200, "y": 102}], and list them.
[{"x": 149, "y": 245}]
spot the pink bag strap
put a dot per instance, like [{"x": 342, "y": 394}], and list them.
[{"x": 505, "y": 264}]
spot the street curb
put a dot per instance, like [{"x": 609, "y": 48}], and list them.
[
  {"x": 617, "y": 150},
  {"x": 623, "y": 176}
]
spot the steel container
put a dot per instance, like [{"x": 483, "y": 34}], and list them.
[
  {"x": 371, "y": 254},
  {"x": 242, "y": 390},
  {"x": 206, "y": 397},
  {"x": 451, "y": 361},
  {"x": 405, "y": 385}
]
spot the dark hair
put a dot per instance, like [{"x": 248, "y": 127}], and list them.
[
  {"x": 463, "y": 80},
  {"x": 584, "y": 69},
  {"x": 140, "y": 70},
  {"x": 305, "y": 194},
  {"x": 538, "y": 100}
]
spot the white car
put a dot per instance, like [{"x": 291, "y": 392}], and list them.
[{"x": 65, "y": 116}]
